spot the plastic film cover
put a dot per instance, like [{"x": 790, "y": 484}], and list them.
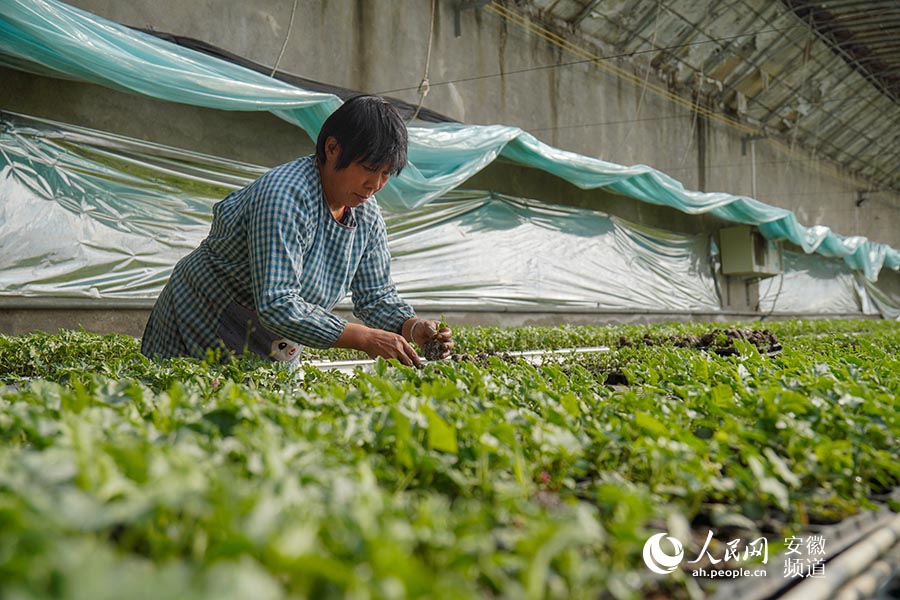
[
  {"x": 812, "y": 284},
  {"x": 92, "y": 215},
  {"x": 473, "y": 248},
  {"x": 884, "y": 299},
  {"x": 84, "y": 214}
]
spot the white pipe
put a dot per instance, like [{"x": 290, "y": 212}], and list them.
[
  {"x": 753, "y": 170},
  {"x": 868, "y": 583},
  {"x": 847, "y": 565},
  {"x": 535, "y": 357}
]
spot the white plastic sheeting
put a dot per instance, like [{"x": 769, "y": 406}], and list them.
[
  {"x": 815, "y": 284},
  {"x": 478, "y": 249},
  {"x": 84, "y": 214}
]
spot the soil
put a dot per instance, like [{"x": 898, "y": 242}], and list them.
[
  {"x": 719, "y": 341},
  {"x": 433, "y": 349}
]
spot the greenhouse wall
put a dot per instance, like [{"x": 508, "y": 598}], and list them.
[
  {"x": 380, "y": 46},
  {"x": 603, "y": 257}
]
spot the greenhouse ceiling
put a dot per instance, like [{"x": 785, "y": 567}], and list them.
[{"x": 824, "y": 75}]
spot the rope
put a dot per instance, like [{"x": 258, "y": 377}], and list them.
[
  {"x": 425, "y": 85},
  {"x": 637, "y": 113},
  {"x": 286, "y": 38},
  {"x": 598, "y": 60},
  {"x": 694, "y": 117}
]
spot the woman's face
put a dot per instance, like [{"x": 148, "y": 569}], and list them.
[{"x": 352, "y": 185}]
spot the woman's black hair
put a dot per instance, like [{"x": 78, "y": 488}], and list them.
[{"x": 369, "y": 130}]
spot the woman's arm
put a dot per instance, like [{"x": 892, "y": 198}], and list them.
[
  {"x": 276, "y": 232},
  {"x": 375, "y": 299},
  {"x": 377, "y": 342}
]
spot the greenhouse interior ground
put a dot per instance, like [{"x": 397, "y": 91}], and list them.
[{"x": 677, "y": 379}]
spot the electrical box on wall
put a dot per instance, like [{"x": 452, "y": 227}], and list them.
[{"x": 746, "y": 252}]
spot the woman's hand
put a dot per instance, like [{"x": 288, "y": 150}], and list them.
[
  {"x": 377, "y": 342},
  {"x": 390, "y": 345},
  {"x": 435, "y": 343}
]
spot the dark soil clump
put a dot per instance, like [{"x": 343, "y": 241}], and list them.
[
  {"x": 433, "y": 350},
  {"x": 615, "y": 377},
  {"x": 719, "y": 341}
]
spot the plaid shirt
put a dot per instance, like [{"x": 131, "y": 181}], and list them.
[{"x": 275, "y": 248}]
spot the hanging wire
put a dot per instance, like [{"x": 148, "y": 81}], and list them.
[
  {"x": 286, "y": 38},
  {"x": 646, "y": 80},
  {"x": 807, "y": 52},
  {"x": 425, "y": 85},
  {"x": 694, "y": 117},
  {"x": 601, "y": 62}
]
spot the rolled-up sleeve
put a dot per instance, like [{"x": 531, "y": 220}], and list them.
[
  {"x": 276, "y": 229},
  {"x": 375, "y": 299}
]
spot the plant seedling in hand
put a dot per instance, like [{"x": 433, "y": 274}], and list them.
[{"x": 439, "y": 342}]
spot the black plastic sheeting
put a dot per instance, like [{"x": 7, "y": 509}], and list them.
[{"x": 406, "y": 109}]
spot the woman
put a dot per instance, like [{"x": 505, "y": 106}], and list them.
[{"x": 284, "y": 250}]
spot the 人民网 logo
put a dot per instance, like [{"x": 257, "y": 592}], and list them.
[{"x": 658, "y": 560}]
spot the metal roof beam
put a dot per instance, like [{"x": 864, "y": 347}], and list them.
[
  {"x": 853, "y": 130},
  {"x": 752, "y": 63},
  {"x": 842, "y": 128},
  {"x": 840, "y": 46}
]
